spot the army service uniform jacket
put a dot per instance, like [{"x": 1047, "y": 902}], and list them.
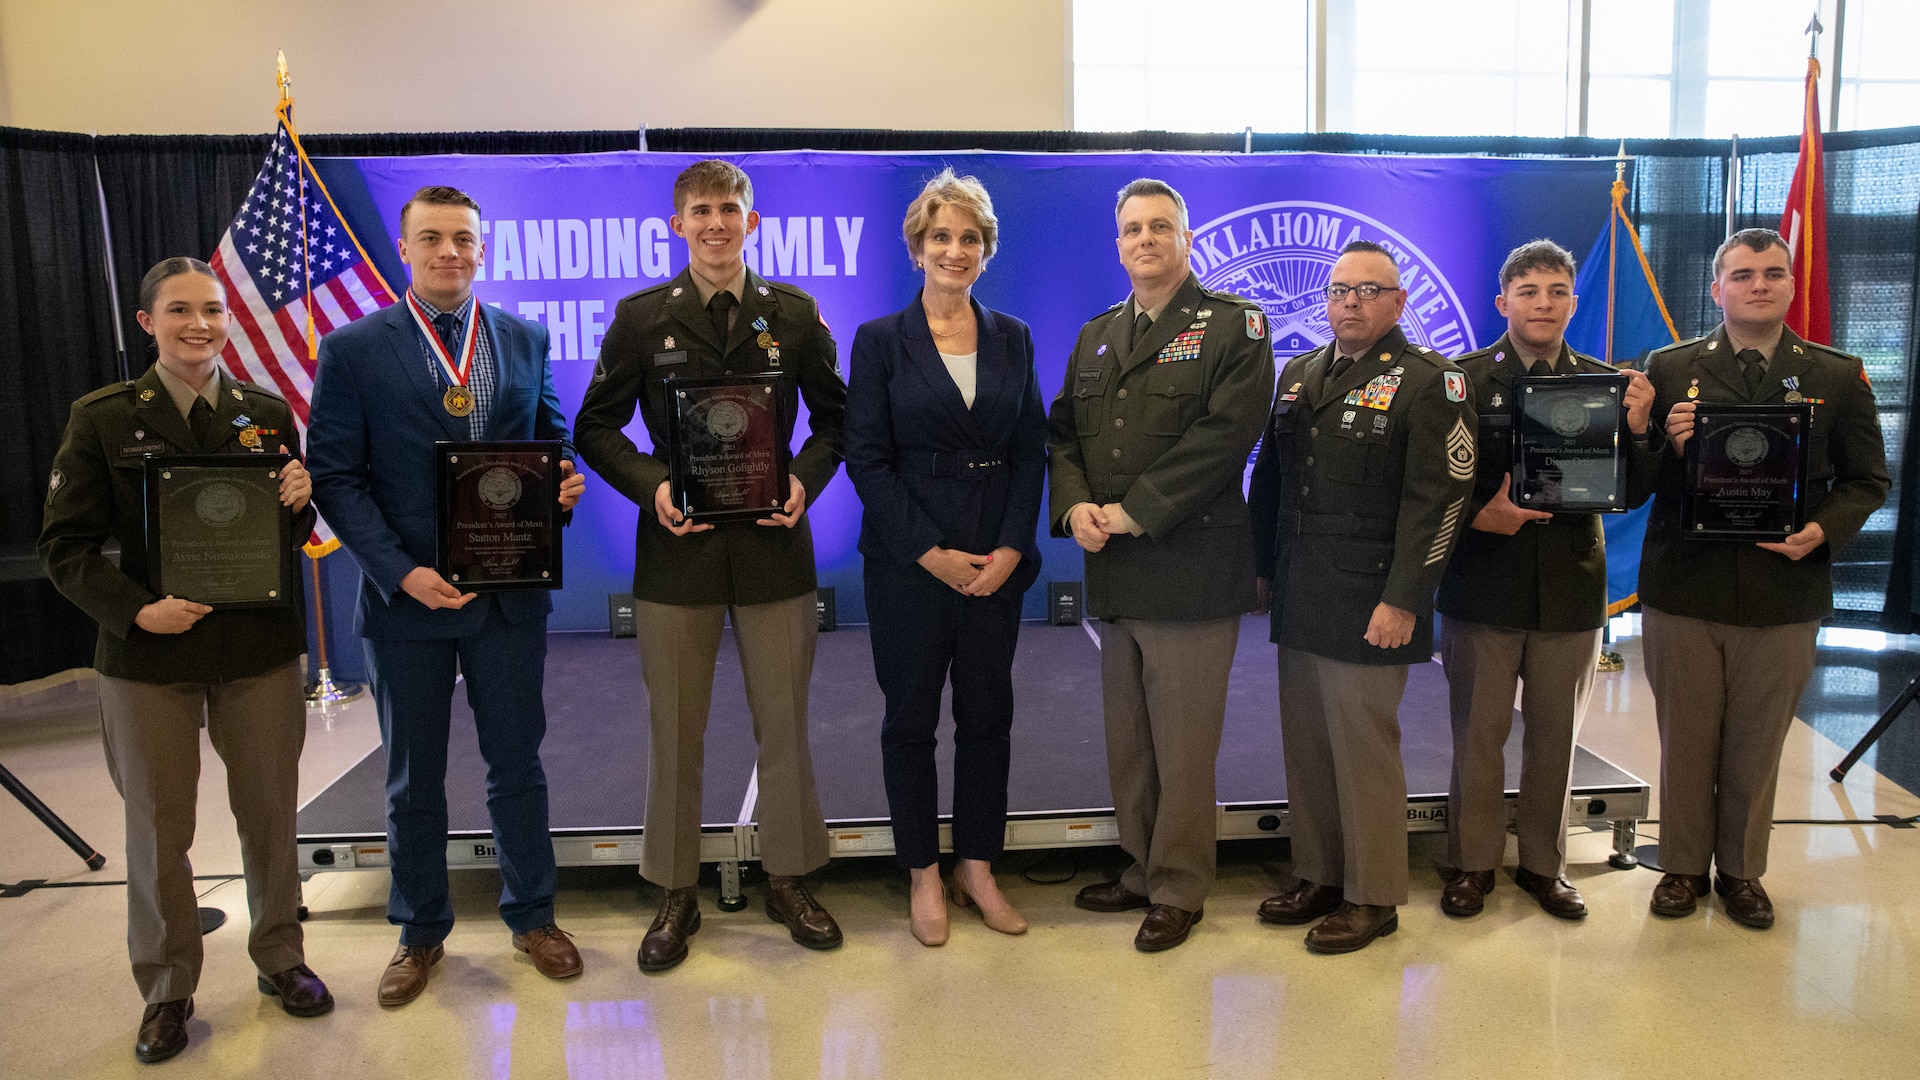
[
  {"x": 1552, "y": 574},
  {"x": 1359, "y": 493},
  {"x": 1735, "y": 582},
  {"x": 97, "y": 493},
  {"x": 1164, "y": 428},
  {"x": 663, "y": 334}
]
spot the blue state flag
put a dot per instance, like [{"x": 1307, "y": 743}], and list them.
[{"x": 1621, "y": 319}]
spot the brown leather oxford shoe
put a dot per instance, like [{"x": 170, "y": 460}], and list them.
[
  {"x": 1556, "y": 894},
  {"x": 1746, "y": 902},
  {"x": 1677, "y": 894},
  {"x": 1352, "y": 928},
  {"x": 1165, "y": 926},
  {"x": 300, "y": 991},
  {"x": 1466, "y": 892},
  {"x": 163, "y": 1030},
  {"x": 551, "y": 950},
  {"x": 1303, "y": 903},
  {"x": 1109, "y": 896},
  {"x": 677, "y": 920},
  {"x": 406, "y": 974},
  {"x": 790, "y": 904}
]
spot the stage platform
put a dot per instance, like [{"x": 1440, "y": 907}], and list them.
[{"x": 596, "y": 760}]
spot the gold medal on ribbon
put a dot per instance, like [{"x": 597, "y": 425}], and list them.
[
  {"x": 1693, "y": 391},
  {"x": 458, "y": 400},
  {"x": 765, "y": 340},
  {"x": 250, "y": 437}
]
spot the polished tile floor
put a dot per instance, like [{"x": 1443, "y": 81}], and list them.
[{"x": 1829, "y": 992}]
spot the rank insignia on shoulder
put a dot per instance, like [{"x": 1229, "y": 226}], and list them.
[
  {"x": 1256, "y": 325},
  {"x": 1460, "y": 456},
  {"x": 762, "y": 290},
  {"x": 1499, "y": 356},
  {"x": 1456, "y": 386},
  {"x": 55, "y": 483}
]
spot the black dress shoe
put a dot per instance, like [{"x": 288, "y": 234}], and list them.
[
  {"x": 1466, "y": 892},
  {"x": 1744, "y": 900},
  {"x": 677, "y": 920},
  {"x": 1352, "y": 928},
  {"x": 1556, "y": 894},
  {"x": 790, "y": 904},
  {"x": 1109, "y": 896},
  {"x": 1303, "y": 903},
  {"x": 163, "y": 1030},
  {"x": 1676, "y": 895},
  {"x": 1165, "y": 926},
  {"x": 300, "y": 991}
]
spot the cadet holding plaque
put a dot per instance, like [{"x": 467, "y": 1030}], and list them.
[
  {"x": 1570, "y": 444},
  {"x": 499, "y": 515},
  {"x": 727, "y": 447},
  {"x": 190, "y": 635},
  {"x": 1730, "y": 626}
]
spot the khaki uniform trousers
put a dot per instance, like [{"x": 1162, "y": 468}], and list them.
[
  {"x": 1164, "y": 688},
  {"x": 1485, "y": 665},
  {"x": 1346, "y": 785},
  {"x": 258, "y": 726},
  {"x": 1724, "y": 698},
  {"x": 679, "y": 645}
]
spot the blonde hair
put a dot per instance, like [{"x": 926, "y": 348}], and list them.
[{"x": 965, "y": 192}]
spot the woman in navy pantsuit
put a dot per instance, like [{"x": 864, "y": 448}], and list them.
[{"x": 946, "y": 444}]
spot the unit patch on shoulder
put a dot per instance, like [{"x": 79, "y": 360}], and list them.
[
  {"x": 1256, "y": 325},
  {"x": 1456, "y": 386}
]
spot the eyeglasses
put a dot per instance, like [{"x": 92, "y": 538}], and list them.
[{"x": 1367, "y": 290}]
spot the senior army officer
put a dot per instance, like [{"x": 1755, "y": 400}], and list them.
[
  {"x": 1358, "y": 494},
  {"x": 1164, "y": 398}
]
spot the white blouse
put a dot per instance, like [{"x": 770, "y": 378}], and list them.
[{"x": 964, "y": 367}]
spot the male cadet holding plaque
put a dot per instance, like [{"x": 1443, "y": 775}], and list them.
[
  {"x": 717, "y": 319},
  {"x": 1525, "y": 598},
  {"x": 1164, "y": 397},
  {"x": 1360, "y": 489},
  {"x": 440, "y": 366},
  {"x": 1730, "y": 625}
]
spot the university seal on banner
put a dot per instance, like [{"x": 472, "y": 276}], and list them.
[{"x": 1280, "y": 255}]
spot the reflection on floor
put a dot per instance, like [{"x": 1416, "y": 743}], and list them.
[{"x": 1513, "y": 992}]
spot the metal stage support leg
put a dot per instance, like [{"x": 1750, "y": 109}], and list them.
[
  {"x": 51, "y": 820},
  {"x": 1625, "y": 833},
  {"x": 731, "y": 898}
]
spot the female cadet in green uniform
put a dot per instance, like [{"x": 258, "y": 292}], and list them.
[{"x": 167, "y": 665}]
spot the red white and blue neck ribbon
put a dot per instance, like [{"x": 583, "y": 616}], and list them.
[{"x": 456, "y": 372}]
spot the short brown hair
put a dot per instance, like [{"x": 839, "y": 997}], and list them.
[
  {"x": 1146, "y": 188},
  {"x": 1537, "y": 255},
  {"x": 437, "y": 195},
  {"x": 1753, "y": 240},
  {"x": 171, "y": 268},
  {"x": 712, "y": 177},
  {"x": 1369, "y": 247},
  {"x": 964, "y": 192}
]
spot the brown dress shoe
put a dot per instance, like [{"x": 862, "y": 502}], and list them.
[
  {"x": 1676, "y": 894},
  {"x": 1303, "y": 903},
  {"x": 1556, "y": 894},
  {"x": 406, "y": 974},
  {"x": 677, "y": 920},
  {"x": 790, "y": 904},
  {"x": 552, "y": 951},
  {"x": 163, "y": 1030},
  {"x": 1466, "y": 892},
  {"x": 1352, "y": 928},
  {"x": 1744, "y": 900},
  {"x": 300, "y": 991},
  {"x": 1165, "y": 926},
  {"x": 1109, "y": 896}
]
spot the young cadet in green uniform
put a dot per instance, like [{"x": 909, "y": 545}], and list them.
[
  {"x": 717, "y": 318},
  {"x": 1525, "y": 598},
  {"x": 1730, "y": 627},
  {"x": 168, "y": 664},
  {"x": 1360, "y": 489},
  {"x": 1148, "y": 440}
]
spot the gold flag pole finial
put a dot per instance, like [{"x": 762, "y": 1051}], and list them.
[{"x": 281, "y": 79}]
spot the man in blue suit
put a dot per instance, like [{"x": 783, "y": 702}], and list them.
[{"x": 388, "y": 388}]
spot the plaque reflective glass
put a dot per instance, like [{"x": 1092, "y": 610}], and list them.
[
  {"x": 217, "y": 533},
  {"x": 727, "y": 449},
  {"x": 499, "y": 517},
  {"x": 1746, "y": 468},
  {"x": 1567, "y": 443}
]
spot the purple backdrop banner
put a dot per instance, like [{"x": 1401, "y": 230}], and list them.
[{"x": 568, "y": 236}]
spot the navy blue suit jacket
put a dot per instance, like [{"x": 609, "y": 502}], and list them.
[
  {"x": 903, "y": 409},
  {"x": 376, "y": 414}
]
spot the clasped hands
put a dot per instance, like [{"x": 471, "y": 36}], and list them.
[
  {"x": 1092, "y": 524},
  {"x": 969, "y": 574}
]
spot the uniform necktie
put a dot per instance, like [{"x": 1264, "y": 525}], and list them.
[
  {"x": 718, "y": 309},
  {"x": 1340, "y": 366},
  {"x": 1141, "y": 324},
  {"x": 1540, "y": 367},
  {"x": 201, "y": 420},
  {"x": 1753, "y": 366},
  {"x": 448, "y": 328}
]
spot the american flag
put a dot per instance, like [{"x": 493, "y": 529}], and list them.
[{"x": 293, "y": 272}]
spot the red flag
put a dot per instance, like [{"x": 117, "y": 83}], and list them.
[{"x": 1804, "y": 224}]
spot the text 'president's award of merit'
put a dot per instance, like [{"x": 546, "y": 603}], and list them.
[
  {"x": 1567, "y": 443},
  {"x": 499, "y": 515},
  {"x": 1746, "y": 471},
  {"x": 727, "y": 452},
  {"x": 217, "y": 533}
]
